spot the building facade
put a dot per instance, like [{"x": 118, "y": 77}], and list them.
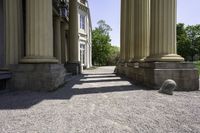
[
  {"x": 85, "y": 30},
  {"x": 43, "y": 40}
]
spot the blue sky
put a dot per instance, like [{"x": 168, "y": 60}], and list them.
[{"x": 109, "y": 10}]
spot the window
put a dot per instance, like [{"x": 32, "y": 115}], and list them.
[
  {"x": 82, "y": 22},
  {"x": 82, "y": 53}
]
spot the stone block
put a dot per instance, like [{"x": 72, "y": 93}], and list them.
[
  {"x": 36, "y": 77},
  {"x": 74, "y": 68},
  {"x": 184, "y": 74},
  {"x": 153, "y": 74}
]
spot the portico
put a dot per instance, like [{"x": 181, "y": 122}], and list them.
[{"x": 149, "y": 56}]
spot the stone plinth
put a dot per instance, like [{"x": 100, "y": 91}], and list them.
[
  {"x": 36, "y": 77},
  {"x": 152, "y": 75},
  {"x": 74, "y": 68},
  {"x": 184, "y": 74}
]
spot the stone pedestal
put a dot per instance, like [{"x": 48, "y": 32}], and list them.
[
  {"x": 154, "y": 74},
  {"x": 36, "y": 77},
  {"x": 73, "y": 67}
]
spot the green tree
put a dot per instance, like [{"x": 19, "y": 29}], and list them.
[
  {"x": 101, "y": 43},
  {"x": 193, "y": 33},
  {"x": 114, "y": 56},
  {"x": 188, "y": 40},
  {"x": 183, "y": 42}
]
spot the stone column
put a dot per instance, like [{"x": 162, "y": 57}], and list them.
[
  {"x": 39, "y": 32},
  {"x": 163, "y": 31},
  {"x": 2, "y": 44},
  {"x": 123, "y": 30},
  {"x": 57, "y": 38},
  {"x": 132, "y": 19},
  {"x": 127, "y": 30},
  {"x": 63, "y": 43},
  {"x": 14, "y": 31},
  {"x": 73, "y": 32},
  {"x": 141, "y": 29}
]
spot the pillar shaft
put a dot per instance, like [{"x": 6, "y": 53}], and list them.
[
  {"x": 73, "y": 32},
  {"x": 39, "y": 32},
  {"x": 2, "y": 44},
  {"x": 123, "y": 30},
  {"x": 163, "y": 31},
  {"x": 132, "y": 19},
  {"x": 14, "y": 31},
  {"x": 63, "y": 43},
  {"x": 57, "y": 38},
  {"x": 127, "y": 30},
  {"x": 141, "y": 29}
]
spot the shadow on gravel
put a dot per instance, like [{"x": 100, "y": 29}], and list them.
[{"x": 27, "y": 99}]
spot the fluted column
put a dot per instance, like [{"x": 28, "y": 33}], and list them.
[
  {"x": 57, "y": 38},
  {"x": 127, "y": 30},
  {"x": 14, "y": 31},
  {"x": 73, "y": 32},
  {"x": 142, "y": 29},
  {"x": 163, "y": 31},
  {"x": 39, "y": 32},
  {"x": 2, "y": 44},
  {"x": 132, "y": 19},
  {"x": 123, "y": 30},
  {"x": 63, "y": 43}
]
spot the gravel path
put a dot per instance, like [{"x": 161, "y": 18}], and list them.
[{"x": 99, "y": 102}]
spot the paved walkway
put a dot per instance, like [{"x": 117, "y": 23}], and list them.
[{"x": 99, "y": 102}]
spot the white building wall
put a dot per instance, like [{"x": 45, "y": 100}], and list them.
[{"x": 85, "y": 34}]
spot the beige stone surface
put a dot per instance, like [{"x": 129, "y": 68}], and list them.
[
  {"x": 141, "y": 29},
  {"x": 39, "y": 32},
  {"x": 163, "y": 31}
]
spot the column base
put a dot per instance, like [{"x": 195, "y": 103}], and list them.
[
  {"x": 165, "y": 58},
  {"x": 138, "y": 60},
  {"x": 153, "y": 74},
  {"x": 38, "y": 60},
  {"x": 73, "y": 67},
  {"x": 36, "y": 77}
]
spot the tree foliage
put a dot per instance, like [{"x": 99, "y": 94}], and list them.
[
  {"x": 101, "y": 44},
  {"x": 188, "y": 41}
]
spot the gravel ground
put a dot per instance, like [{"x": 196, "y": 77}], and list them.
[{"x": 99, "y": 102}]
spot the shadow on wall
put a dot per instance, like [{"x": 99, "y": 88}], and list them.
[{"x": 26, "y": 99}]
